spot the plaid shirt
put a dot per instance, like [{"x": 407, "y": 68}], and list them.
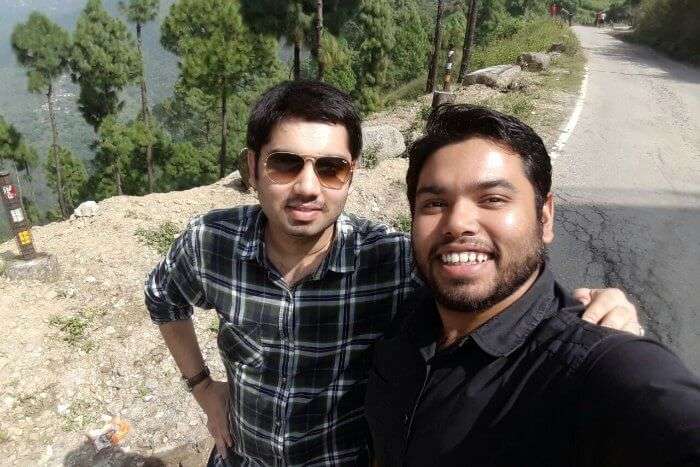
[{"x": 297, "y": 358}]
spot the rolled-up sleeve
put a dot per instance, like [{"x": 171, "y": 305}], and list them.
[{"x": 174, "y": 286}]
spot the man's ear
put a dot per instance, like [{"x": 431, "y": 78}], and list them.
[
  {"x": 547, "y": 219},
  {"x": 252, "y": 167}
]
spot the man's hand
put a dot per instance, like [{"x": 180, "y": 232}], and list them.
[
  {"x": 609, "y": 308},
  {"x": 213, "y": 397}
]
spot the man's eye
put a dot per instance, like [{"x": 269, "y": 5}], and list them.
[
  {"x": 433, "y": 204},
  {"x": 494, "y": 200}
]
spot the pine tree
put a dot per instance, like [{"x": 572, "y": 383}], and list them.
[
  {"x": 217, "y": 54},
  {"x": 105, "y": 59},
  {"x": 468, "y": 40},
  {"x": 437, "y": 39},
  {"x": 72, "y": 175},
  {"x": 376, "y": 21},
  {"x": 43, "y": 48},
  {"x": 412, "y": 42},
  {"x": 318, "y": 43},
  {"x": 140, "y": 12}
]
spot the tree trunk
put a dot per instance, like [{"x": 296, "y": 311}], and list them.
[
  {"x": 57, "y": 159},
  {"x": 224, "y": 129},
  {"x": 468, "y": 40},
  {"x": 432, "y": 69},
  {"x": 297, "y": 59},
  {"x": 118, "y": 177},
  {"x": 145, "y": 112},
  {"x": 319, "y": 34}
]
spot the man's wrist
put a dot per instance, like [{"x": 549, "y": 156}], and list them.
[{"x": 193, "y": 381}]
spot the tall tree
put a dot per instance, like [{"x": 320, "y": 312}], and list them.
[
  {"x": 319, "y": 42},
  {"x": 43, "y": 48},
  {"x": 468, "y": 40},
  {"x": 140, "y": 12},
  {"x": 72, "y": 174},
  {"x": 105, "y": 59},
  {"x": 377, "y": 23},
  {"x": 288, "y": 18},
  {"x": 412, "y": 42},
  {"x": 217, "y": 53},
  {"x": 437, "y": 38}
]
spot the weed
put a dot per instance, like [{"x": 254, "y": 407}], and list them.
[
  {"x": 74, "y": 327},
  {"x": 424, "y": 111},
  {"x": 80, "y": 415},
  {"x": 214, "y": 325},
  {"x": 159, "y": 238},
  {"x": 4, "y": 436},
  {"x": 370, "y": 156},
  {"x": 403, "y": 223}
]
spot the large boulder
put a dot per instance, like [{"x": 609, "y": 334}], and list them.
[
  {"x": 384, "y": 141},
  {"x": 42, "y": 268},
  {"x": 86, "y": 209},
  {"x": 499, "y": 76},
  {"x": 534, "y": 61}
]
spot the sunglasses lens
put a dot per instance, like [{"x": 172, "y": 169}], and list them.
[
  {"x": 283, "y": 167},
  {"x": 332, "y": 172}
]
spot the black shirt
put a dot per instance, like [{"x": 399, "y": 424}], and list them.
[{"x": 534, "y": 386}]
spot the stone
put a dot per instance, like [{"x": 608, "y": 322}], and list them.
[
  {"x": 385, "y": 139},
  {"x": 443, "y": 97},
  {"x": 498, "y": 76},
  {"x": 43, "y": 268},
  {"x": 534, "y": 61},
  {"x": 557, "y": 47},
  {"x": 554, "y": 55},
  {"x": 87, "y": 209}
]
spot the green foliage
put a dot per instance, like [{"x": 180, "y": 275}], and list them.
[
  {"x": 454, "y": 30},
  {"x": 672, "y": 26},
  {"x": 43, "y": 48},
  {"x": 104, "y": 60},
  {"x": 189, "y": 166},
  {"x": 337, "y": 58},
  {"x": 13, "y": 147},
  {"x": 73, "y": 175},
  {"x": 376, "y": 21},
  {"x": 139, "y": 11},
  {"x": 160, "y": 238},
  {"x": 74, "y": 327},
  {"x": 409, "y": 57}
]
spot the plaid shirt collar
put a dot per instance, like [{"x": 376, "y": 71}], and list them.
[{"x": 341, "y": 258}]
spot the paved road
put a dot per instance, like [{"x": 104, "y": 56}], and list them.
[{"x": 628, "y": 182}]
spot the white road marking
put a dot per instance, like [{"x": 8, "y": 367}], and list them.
[{"x": 573, "y": 120}]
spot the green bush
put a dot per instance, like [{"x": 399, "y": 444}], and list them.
[
  {"x": 160, "y": 238},
  {"x": 671, "y": 26}
]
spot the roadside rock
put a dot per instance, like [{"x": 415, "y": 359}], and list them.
[
  {"x": 557, "y": 47},
  {"x": 387, "y": 140},
  {"x": 534, "y": 61},
  {"x": 87, "y": 209},
  {"x": 499, "y": 76},
  {"x": 42, "y": 268}
]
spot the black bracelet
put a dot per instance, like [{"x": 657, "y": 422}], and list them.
[{"x": 196, "y": 379}]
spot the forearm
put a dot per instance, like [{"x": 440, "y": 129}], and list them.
[{"x": 181, "y": 340}]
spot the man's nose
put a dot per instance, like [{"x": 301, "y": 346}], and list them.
[
  {"x": 462, "y": 220},
  {"x": 307, "y": 183}
]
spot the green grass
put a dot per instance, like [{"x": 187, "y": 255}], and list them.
[
  {"x": 159, "y": 238},
  {"x": 535, "y": 36},
  {"x": 74, "y": 328},
  {"x": 403, "y": 223}
]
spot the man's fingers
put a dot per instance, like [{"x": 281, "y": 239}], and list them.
[
  {"x": 583, "y": 295},
  {"x": 617, "y": 318},
  {"x": 605, "y": 302}
]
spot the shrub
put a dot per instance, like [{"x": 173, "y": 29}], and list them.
[{"x": 160, "y": 238}]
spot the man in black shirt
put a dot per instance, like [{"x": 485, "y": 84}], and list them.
[{"x": 491, "y": 365}]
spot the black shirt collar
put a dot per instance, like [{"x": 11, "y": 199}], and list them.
[{"x": 499, "y": 336}]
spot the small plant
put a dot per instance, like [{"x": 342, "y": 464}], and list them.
[
  {"x": 159, "y": 238},
  {"x": 370, "y": 156},
  {"x": 74, "y": 327},
  {"x": 403, "y": 223},
  {"x": 424, "y": 111},
  {"x": 214, "y": 325}
]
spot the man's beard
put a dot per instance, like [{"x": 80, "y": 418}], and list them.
[{"x": 509, "y": 277}]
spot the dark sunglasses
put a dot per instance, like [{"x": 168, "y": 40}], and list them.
[{"x": 284, "y": 167}]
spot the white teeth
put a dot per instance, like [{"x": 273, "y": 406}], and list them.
[{"x": 464, "y": 257}]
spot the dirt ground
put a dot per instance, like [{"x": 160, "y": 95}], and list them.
[{"x": 83, "y": 349}]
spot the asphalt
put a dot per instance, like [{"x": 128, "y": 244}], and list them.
[{"x": 628, "y": 187}]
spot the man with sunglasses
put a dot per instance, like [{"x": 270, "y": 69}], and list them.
[{"x": 302, "y": 291}]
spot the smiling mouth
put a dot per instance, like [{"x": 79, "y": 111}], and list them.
[{"x": 465, "y": 257}]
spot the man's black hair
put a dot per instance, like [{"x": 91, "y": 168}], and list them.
[
  {"x": 313, "y": 101},
  {"x": 453, "y": 123}
]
